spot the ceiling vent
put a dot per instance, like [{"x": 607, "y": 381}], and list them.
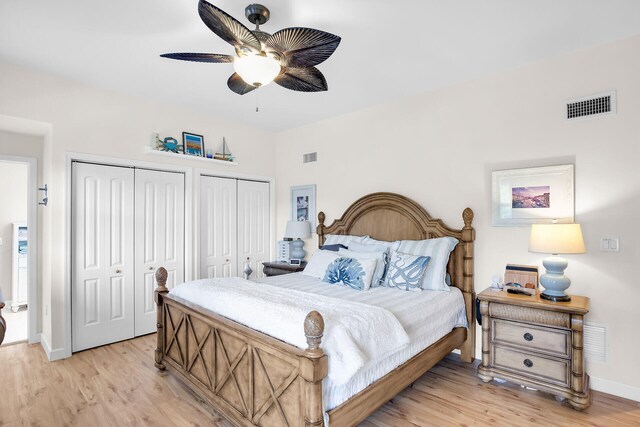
[
  {"x": 310, "y": 157},
  {"x": 595, "y": 342},
  {"x": 589, "y": 106}
]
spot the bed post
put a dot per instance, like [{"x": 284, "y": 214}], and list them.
[
  {"x": 320, "y": 229},
  {"x": 160, "y": 292},
  {"x": 3, "y": 323},
  {"x": 468, "y": 349},
  {"x": 313, "y": 369}
]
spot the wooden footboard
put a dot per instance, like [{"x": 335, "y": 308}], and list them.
[{"x": 250, "y": 377}]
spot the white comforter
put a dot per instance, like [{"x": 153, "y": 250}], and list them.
[{"x": 353, "y": 331}]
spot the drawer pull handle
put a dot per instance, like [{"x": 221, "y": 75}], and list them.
[
  {"x": 528, "y": 337},
  {"x": 528, "y": 363}
]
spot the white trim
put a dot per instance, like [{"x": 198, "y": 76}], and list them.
[
  {"x": 52, "y": 355},
  {"x": 617, "y": 389},
  {"x": 70, "y": 157},
  {"x": 32, "y": 254},
  {"x": 214, "y": 162}
]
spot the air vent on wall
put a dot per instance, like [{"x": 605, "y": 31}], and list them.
[
  {"x": 594, "y": 105},
  {"x": 595, "y": 342},
  {"x": 310, "y": 157}
]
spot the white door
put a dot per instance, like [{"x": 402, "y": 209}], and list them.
[
  {"x": 218, "y": 232},
  {"x": 253, "y": 226},
  {"x": 102, "y": 278},
  {"x": 159, "y": 239}
]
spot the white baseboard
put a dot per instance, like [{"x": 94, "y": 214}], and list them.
[
  {"x": 616, "y": 389},
  {"x": 52, "y": 355}
]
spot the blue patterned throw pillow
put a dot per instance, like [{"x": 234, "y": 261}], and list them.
[
  {"x": 350, "y": 272},
  {"x": 406, "y": 271}
]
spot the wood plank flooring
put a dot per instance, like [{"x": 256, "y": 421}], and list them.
[{"x": 117, "y": 385}]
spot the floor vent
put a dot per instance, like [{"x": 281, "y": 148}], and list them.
[
  {"x": 310, "y": 157},
  {"x": 595, "y": 342},
  {"x": 594, "y": 105}
]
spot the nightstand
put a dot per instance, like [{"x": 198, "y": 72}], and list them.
[
  {"x": 536, "y": 343},
  {"x": 277, "y": 268}
]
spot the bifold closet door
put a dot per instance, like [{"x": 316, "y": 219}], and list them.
[
  {"x": 102, "y": 254},
  {"x": 218, "y": 227},
  {"x": 159, "y": 203},
  {"x": 253, "y": 226}
]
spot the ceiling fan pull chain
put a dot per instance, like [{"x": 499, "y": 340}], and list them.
[{"x": 257, "y": 102}]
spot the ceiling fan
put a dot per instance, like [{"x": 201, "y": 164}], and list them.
[{"x": 287, "y": 57}]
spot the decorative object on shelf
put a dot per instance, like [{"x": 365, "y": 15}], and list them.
[
  {"x": 303, "y": 204},
  {"x": 247, "y": 269},
  {"x": 209, "y": 153},
  {"x": 45, "y": 196},
  {"x": 169, "y": 144},
  {"x": 534, "y": 195},
  {"x": 226, "y": 154},
  {"x": 521, "y": 278},
  {"x": 287, "y": 57},
  {"x": 297, "y": 230},
  {"x": 193, "y": 144},
  {"x": 556, "y": 239}
]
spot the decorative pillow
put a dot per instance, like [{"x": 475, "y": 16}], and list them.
[
  {"x": 344, "y": 239},
  {"x": 375, "y": 247},
  {"x": 351, "y": 272},
  {"x": 393, "y": 246},
  {"x": 319, "y": 262},
  {"x": 439, "y": 250},
  {"x": 381, "y": 262},
  {"x": 334, "y": 248},
  {"x": 406, "y": 271}
]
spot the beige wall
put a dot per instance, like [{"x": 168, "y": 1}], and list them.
[
  {"x": 13, "y": 208},
  {"x": 440, "y": 148},
  {"x": 85, "y": 119}
]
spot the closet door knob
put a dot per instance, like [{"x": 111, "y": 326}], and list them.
[
  {"x": 226, "y": 260},
  {"x": 118, "y": 271},
  {"x": 150, "y": 268}
]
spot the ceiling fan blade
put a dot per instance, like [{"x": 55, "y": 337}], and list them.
[
  {"x": 227, "y": 27},
  {"x": 238, "y": 85},
  {"x": 302, "y": 47},
  {"x": 200, "y": 57},
  {"x": 308, "y": 79}
]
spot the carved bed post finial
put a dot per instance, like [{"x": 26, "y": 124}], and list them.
[
  {"x": 467, "y": 217},
  {"x": 160, "y": 292},
  {"x": 313, "y": 368},
  {"x": 320, "y": 229}
]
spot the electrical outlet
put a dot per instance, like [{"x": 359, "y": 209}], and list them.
[{"x": 609, "y": 244}]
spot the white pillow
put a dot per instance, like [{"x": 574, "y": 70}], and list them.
[
  {"x": 317, "y": 265},
  {"x": 439, "y": 250},
  {"x": 351, "y": 272},
  {"x": 344, "y": 239},
  {"x": 381, "y": 262},
  {"x": 393, "y": 246}
]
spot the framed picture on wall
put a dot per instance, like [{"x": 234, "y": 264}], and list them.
[
  {"x": 303, "y": 204},
  {"x": 532, "y": 196},
  {"x": 193, "y": 144}
]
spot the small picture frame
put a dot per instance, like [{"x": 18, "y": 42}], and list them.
[
  {"x": 193, "y": 144},
  {"x": 303, "y": 204}
]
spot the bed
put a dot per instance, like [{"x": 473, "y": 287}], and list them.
[{"x": 252, "y": 378}]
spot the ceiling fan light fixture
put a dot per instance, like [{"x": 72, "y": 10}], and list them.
[{"x": 257, "y": 70}]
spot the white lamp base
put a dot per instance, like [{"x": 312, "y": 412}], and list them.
[
  {"x": 555, "y": 283},
  {"x": 296, "y": 249}
]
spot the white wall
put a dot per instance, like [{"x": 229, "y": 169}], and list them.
[
  {"x": 13, "y": 208},
  {"x": 440, "y": 148},
  {"x": 85, "y": 119}
]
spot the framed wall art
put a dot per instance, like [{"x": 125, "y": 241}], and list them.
[
  {"x": 532, "y": 196},
  {"x": 193, "y": 144},
  {"x": 303, "y": 204}
]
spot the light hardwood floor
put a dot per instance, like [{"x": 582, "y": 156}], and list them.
[{"x": 117, "y": 385}]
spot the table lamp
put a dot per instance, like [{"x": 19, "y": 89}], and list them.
[
  {"x": 297, "y": 230},
  {"x": 556, "y": 239}
]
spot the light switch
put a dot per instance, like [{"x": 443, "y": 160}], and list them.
[{"x": 609, "y": 244}]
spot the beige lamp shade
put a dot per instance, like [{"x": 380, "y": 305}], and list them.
[
  {"x": 298, "y": 230},
  {"x": 556, "y": 239}
]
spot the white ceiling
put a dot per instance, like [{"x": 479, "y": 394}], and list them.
[{"x": 389, "y": 49}]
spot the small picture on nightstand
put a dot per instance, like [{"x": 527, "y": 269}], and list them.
[{"x": 521, "y": 279}]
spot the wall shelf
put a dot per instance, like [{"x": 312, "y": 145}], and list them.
[{"x": 150, "y": 150}]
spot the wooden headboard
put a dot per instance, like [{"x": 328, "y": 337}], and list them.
[{"x": 390, "y": 217}]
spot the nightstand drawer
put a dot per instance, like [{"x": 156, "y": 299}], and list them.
[
  {"x": 556, "y": 342},
  {"x": 530, "y": 315},
  {"x": 548, "y": 369}
]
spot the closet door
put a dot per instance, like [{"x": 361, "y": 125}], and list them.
[
  {"x": 159, "y": 209},
  {"x": 218, "y": 232},
  {"x": 102, "y": 275},
  {"x": 253, "y": 226}
]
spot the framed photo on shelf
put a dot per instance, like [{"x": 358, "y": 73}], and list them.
[
  {"x": 193, "y": 144},
  {"x": 539, "y": 195},
  {"x": 303, "y": 204}
]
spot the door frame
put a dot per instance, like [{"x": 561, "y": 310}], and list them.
[
  {"x": 32, "y": 255},
  {"x": 71, "y": 157},
  {"x": 199, "y": 173}
]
